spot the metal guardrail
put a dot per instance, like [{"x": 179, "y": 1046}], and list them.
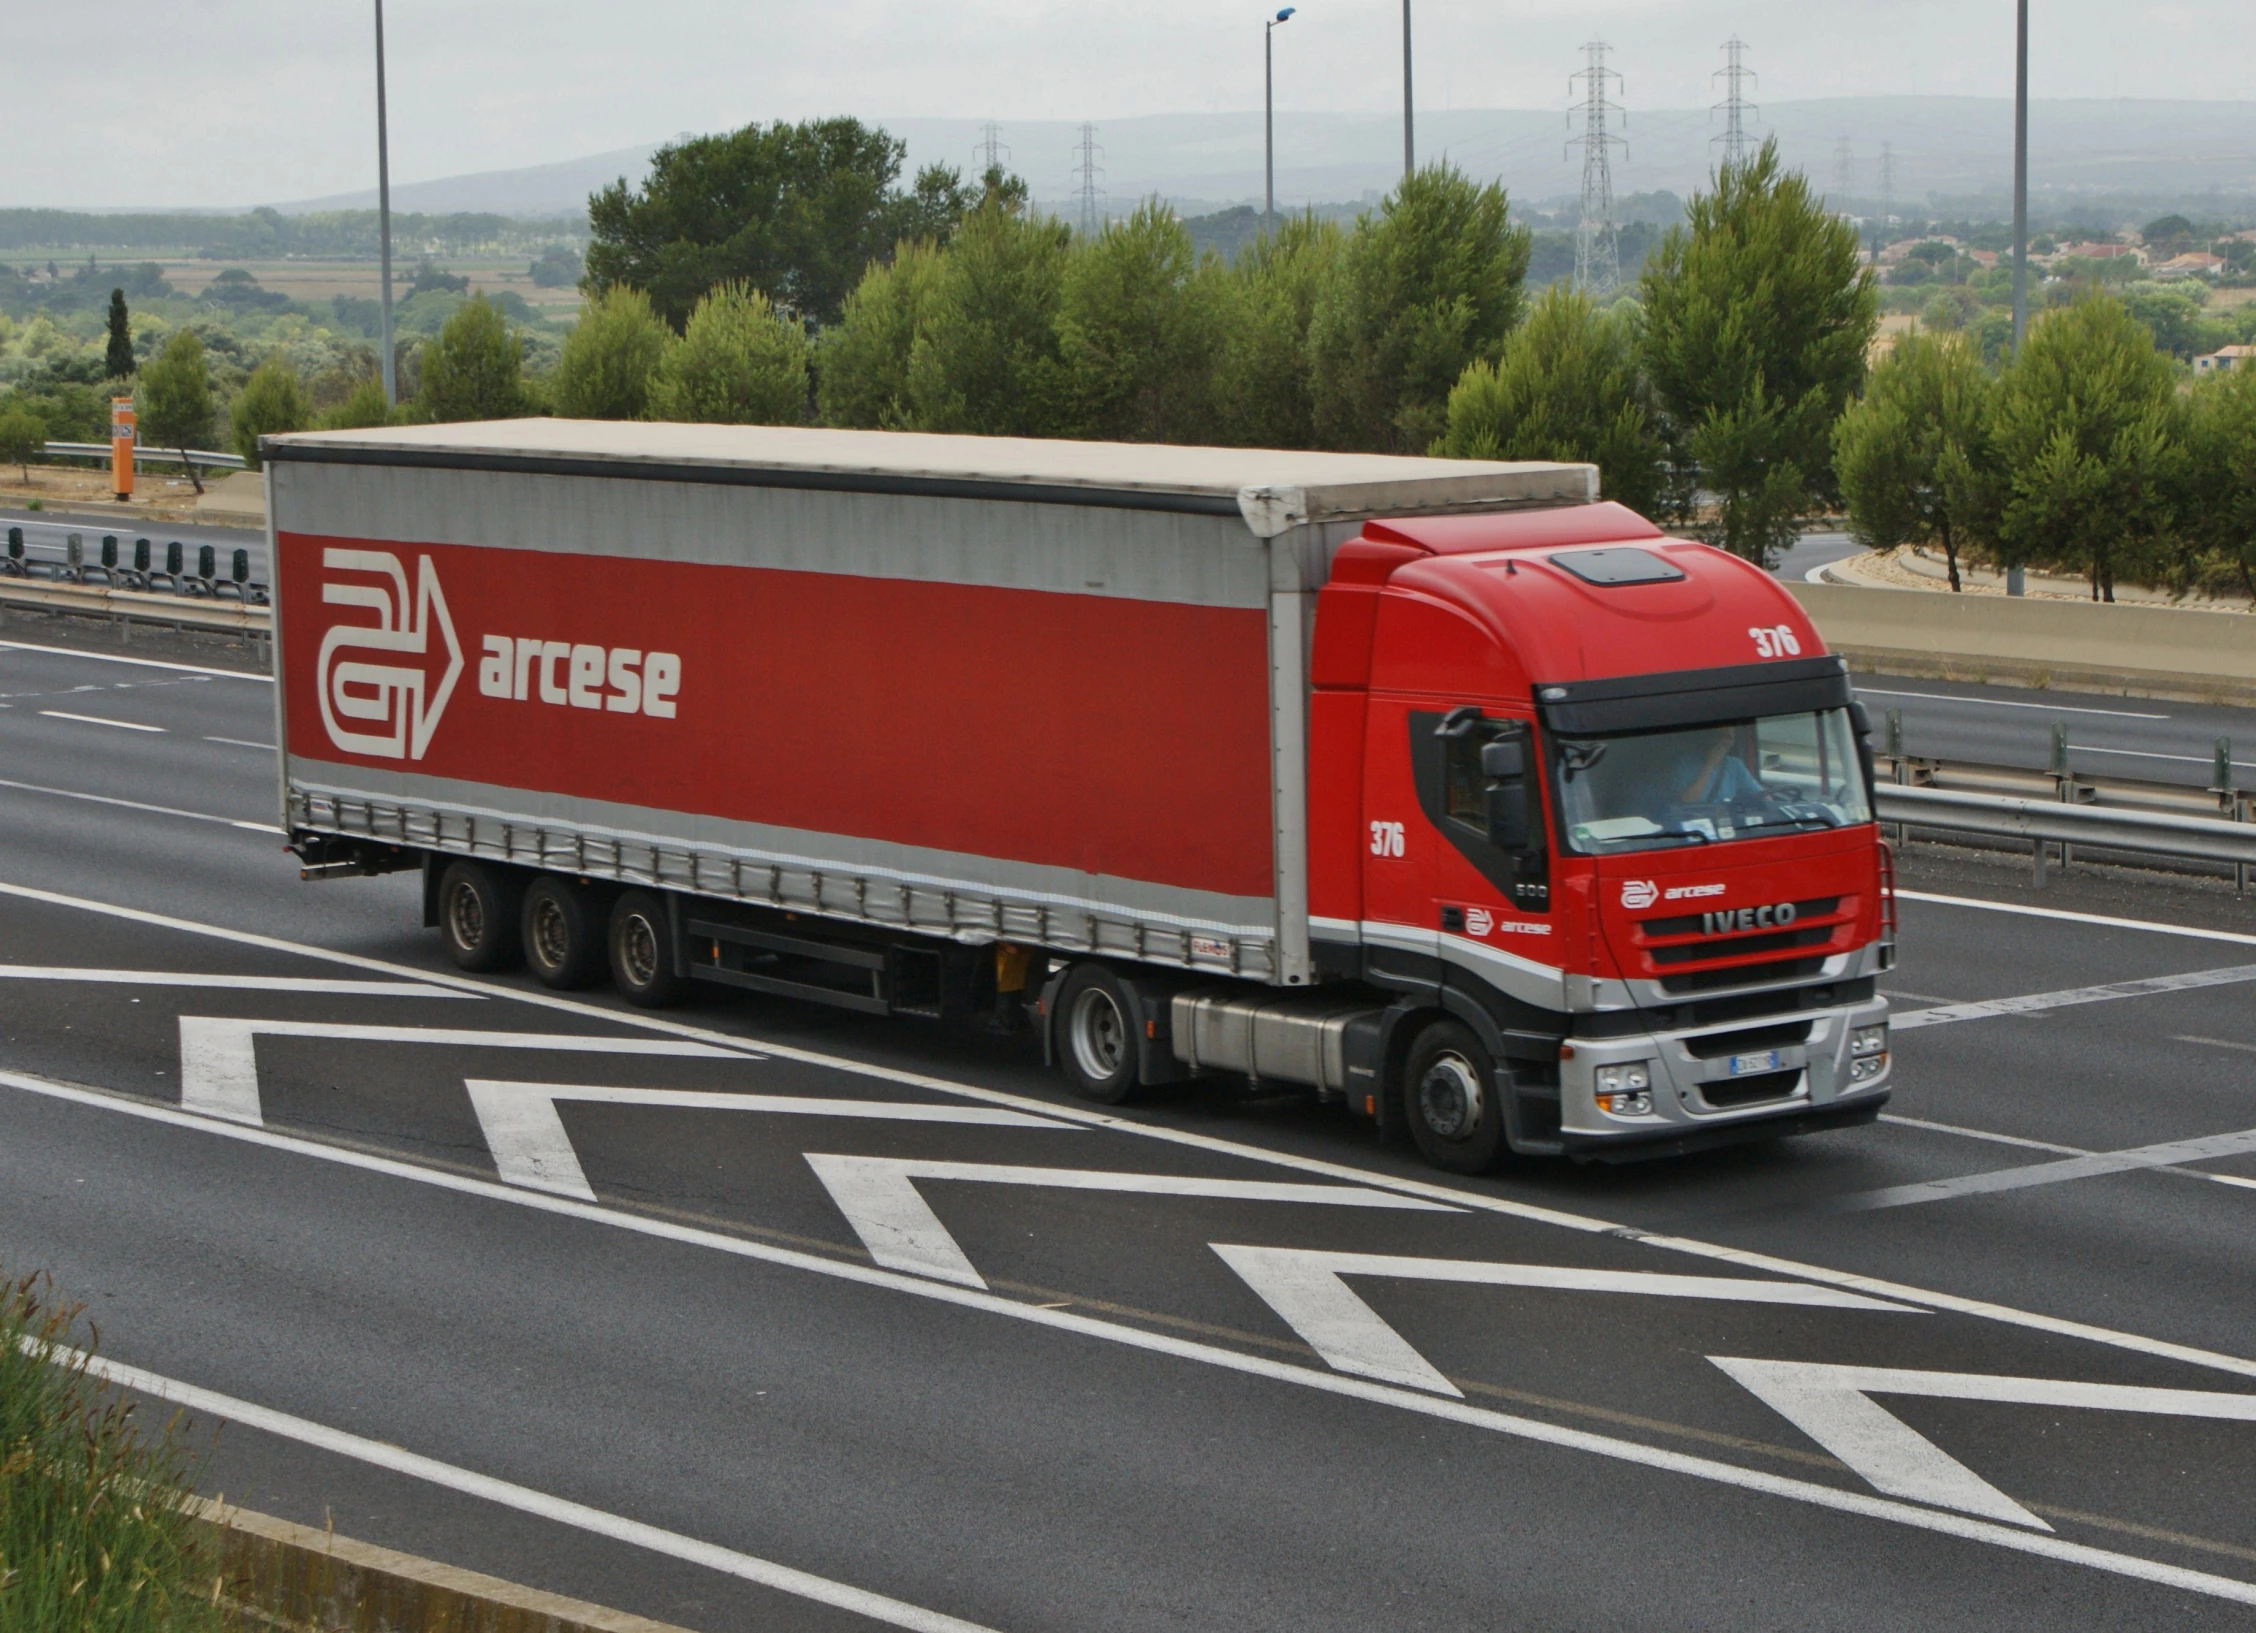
[
  {"x": 2147, "y": 833},
  {"x": 144, "y": 455}
]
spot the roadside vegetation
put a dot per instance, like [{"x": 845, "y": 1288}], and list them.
[
  {"x": 1736, "y": 387},
  {"x": 93, "y": 1537}
]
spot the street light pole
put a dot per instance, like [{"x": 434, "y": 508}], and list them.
[
  {"x": 1269, "y": 121},
  {"x": 1409, "y": 147},
  {"x": 2021, "y": 177},
  {"x": 384, "y": 215}
]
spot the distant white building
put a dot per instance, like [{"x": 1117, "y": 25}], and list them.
[
  {"x": 2231, "y": 357},
  {"x": 2194, "y": 264}
]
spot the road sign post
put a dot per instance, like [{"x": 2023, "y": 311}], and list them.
[{"x": 121, "y": 447}]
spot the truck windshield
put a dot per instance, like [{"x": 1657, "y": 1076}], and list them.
[{"x": 1699, "y": 785}]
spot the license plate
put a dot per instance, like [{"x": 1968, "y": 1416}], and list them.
[{"x": 1748, "y": 1065}]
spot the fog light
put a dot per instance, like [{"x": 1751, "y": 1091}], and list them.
[
  {"x": 1869, "y": 1040},
  {"x": 1865, "y": 1070},
  {"x": 1626, "y": 1105},
  {"x": 1630, "y": 1077}
]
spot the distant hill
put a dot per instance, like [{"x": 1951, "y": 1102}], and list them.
[{"x": 1949, "y": 152}]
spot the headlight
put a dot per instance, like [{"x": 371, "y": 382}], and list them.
[
  {"x": 1625, "y": 1090},
  {"x": 1868, "y": 1040}
]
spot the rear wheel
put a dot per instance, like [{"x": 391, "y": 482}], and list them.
[
  {"x": 561, "y": 946},
  {"x": 642, "y": 953},
  {"x": 1450, "y": 1098},
  {"x": 1096, "y": 1035},
  {"x": 478, "y": 908}
]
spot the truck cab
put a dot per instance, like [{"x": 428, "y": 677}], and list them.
[{"x": 1597, "y": 796}]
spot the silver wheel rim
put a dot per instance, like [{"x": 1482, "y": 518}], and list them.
[
  {"x": 1099, "y": 1034},
  {"x": 1449, "y": 1097},
  {"x": 638, "y": 951},
  {"x": 466, "y": 917},
  {"x": 552, "y": 937}
]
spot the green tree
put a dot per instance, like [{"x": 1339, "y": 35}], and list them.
[
  {"x": 987, "y": 360},
  {"x": 2220, "y": 490},
  {"x": 1570, "y": 386},
  {"x": 1757, "y": 318},
  {"x": 364, "y": 409},
  {"x": 739, "y": 363},
  {"x": 271, "y": 403},
  {"x": 176, "y": 399},
  {"x": 1263, "y": 388},
  {"x": 474, "y": 369},
  {"x": 1426, "y": 287},
  {"x": 1913, "y": 454},
  {"x": 797, "y": 210},
  {"x": 1138, "y": 327},
  {"x": 862, "y": 362},
  {"x": 117, "y": 360},
  {"x": 22, "y": 439},
  {"x": 603, "y": 372},
  {"x": 2088, "y": 446}
]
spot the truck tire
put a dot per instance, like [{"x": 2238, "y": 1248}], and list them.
[
  {"x": 1096, "y": 1035},
  {"x": 478, "y": 912},
  {"x": 562, "y": 947},
  {"x": 642, "y": 952},
  {"x": 1450, "y": 1100}
]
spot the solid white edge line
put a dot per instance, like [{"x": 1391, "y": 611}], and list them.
[
  {"x": 97, "y": 720},
  {"x": 2010, "y": 703},
  {"x": 2103, "y": 920},
  {"x": 137, "y": 805},
  {"x": 1530, "y": 1429},
  {"x": 1854, "y": 1281},
  {"x": 525, "y": 1500},
  {"x": 242, "y": 742},
  {"x": 138, "y": 663}
]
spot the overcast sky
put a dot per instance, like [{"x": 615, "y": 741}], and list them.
[{"x": 234, "y": 102}]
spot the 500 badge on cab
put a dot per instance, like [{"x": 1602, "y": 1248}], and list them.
[{"x": 575, "y": 676}]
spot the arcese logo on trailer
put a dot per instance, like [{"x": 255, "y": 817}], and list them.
[{"x": 385, "y": 710}]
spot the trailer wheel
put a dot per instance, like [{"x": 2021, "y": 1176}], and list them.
[
  {"x": 642, "y": 954},
  {"x": 1450, "y": 1100},
  {"x": 559, "y": 933},
  {"x": 1097, "y": 1035},
  {"x": 478, "y": 909}
]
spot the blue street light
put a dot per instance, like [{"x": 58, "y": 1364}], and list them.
[{"x": 1269, "y": 121}]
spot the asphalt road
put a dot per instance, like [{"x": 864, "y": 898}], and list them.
[{"x": 757, "y": 1289}]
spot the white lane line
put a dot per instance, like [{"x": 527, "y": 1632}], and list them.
[
  {"x": 219, "y": 1055},
  {"x": 1831, "y": 1405},
  {"x": 530, "y": 1146},
  {"x": 879, "y": 1198},
  {"x": 229, "y": 983},
  {"x": 1691, "y": 1247},
  {"x": 138, "y": 805},
  {"x": 2007, "y": 703},
  {"x": 1985, "y": 1135},
  {"x": 242, "y": 742},
  {"x": 1305, "y": 1288},
  {"x": 2063, "y": 916},
  {"x": 2036, "y": 1002},
  {"x": 2149, "y": 754},
  {"x": 1634, "y": 1453},
  {"x": 503, "y": 1493},
  {"x": 2168, "y": 1154},
  {"x": 97, "y": 720},
  {"x": 138, "y": 663},
  {"x": 2215, "y": 1043}
]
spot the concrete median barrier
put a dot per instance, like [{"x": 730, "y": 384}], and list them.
[{"x": 2133, "y": 651}]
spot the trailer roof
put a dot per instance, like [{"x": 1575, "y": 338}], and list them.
[{"x": 1272, "y": 489}]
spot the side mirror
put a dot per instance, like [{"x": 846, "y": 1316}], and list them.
[
  {"x": 1504, "y": 758},
  {"x": 1511, "y": 795}
]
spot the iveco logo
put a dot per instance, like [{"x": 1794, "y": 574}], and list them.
[
  {"x": 1747, "y": 918},
  {"x": 393, "y": 707},
  {"x": 1640, "y": 893}
]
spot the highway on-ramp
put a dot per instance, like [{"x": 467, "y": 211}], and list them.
[{"x": 753, "y": 1314}]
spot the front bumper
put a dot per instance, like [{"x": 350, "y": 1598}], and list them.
[{"x": 1697, "y": 1100}]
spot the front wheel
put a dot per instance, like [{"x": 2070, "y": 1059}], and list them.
[
  {"x": 1450, "y": 1098},
  {"x": 1096, "y": 1035},
  {"x": 642, "y": 959}
]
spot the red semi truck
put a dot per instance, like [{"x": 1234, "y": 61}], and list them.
[{"x": 1439, "y": 787}]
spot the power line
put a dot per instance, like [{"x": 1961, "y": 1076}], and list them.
[
  {"x": 1092, "y": 216},
  {"x": 1597, "y": 245},
  {"x": 1734, "y": 107},
  {"x": 1887, "y": 186},
  {"x": 1844, "y": 172},
  {"x": 989, "y": 150}
]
